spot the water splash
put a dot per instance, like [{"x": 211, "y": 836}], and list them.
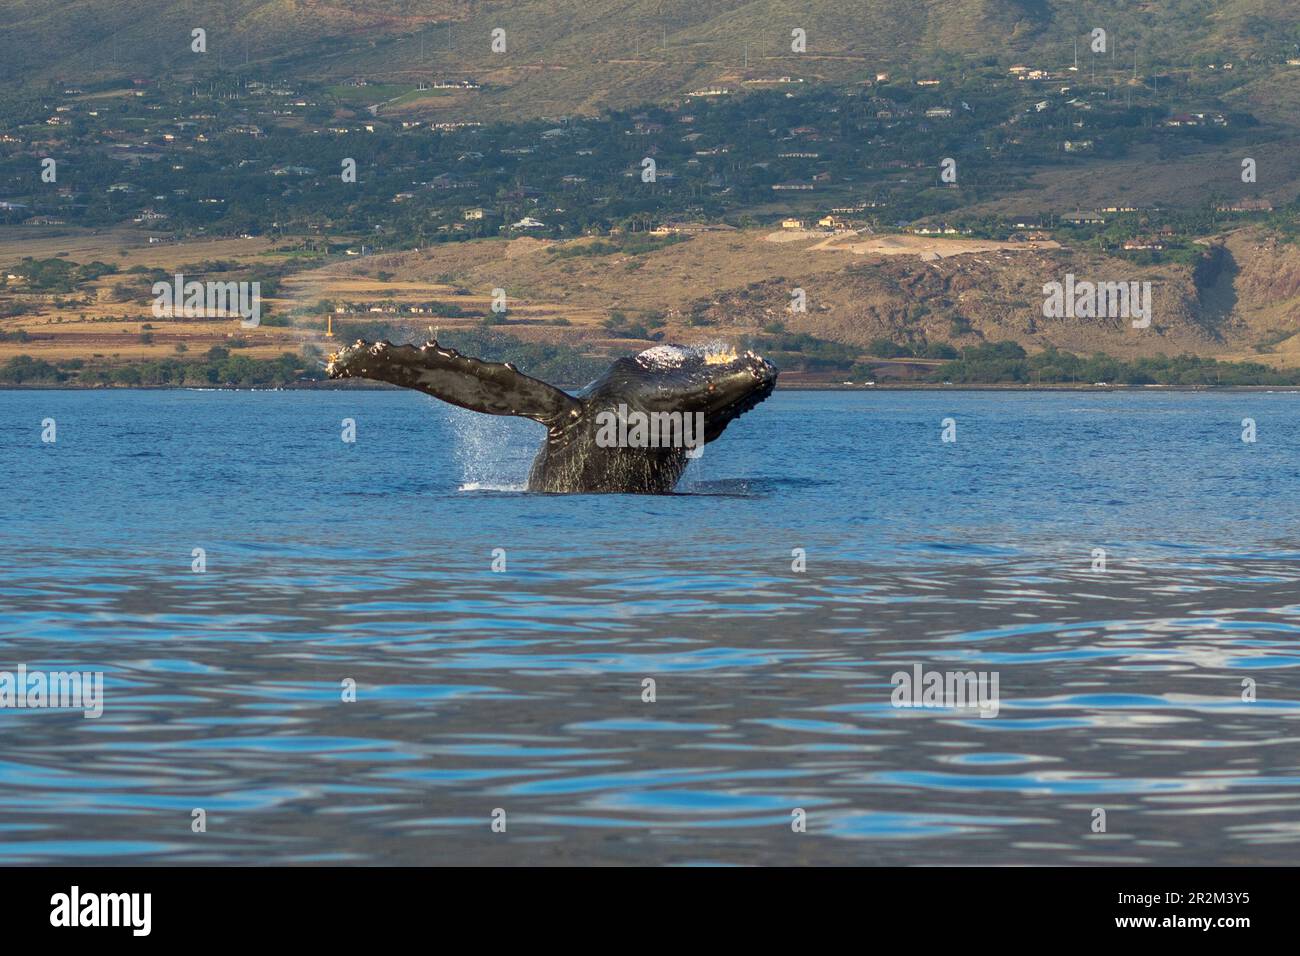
[{"x": 492, "y": 453}]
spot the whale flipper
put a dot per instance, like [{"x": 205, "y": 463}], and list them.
[{"x": 489, "y": 387}]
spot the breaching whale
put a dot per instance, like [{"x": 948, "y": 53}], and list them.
[{"x": 589, "y": 447}]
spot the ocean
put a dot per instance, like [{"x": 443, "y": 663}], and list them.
[{"x": 385, "y": 651}]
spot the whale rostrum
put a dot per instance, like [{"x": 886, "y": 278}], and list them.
[{"x": 633, "y": 430}]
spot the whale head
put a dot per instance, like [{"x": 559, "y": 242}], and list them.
[{"x": 720, "y": 384}]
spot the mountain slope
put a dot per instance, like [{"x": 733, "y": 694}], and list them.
[{"x": 581, "y": 55}]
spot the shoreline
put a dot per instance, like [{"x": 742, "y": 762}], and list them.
[{"x": 801, "y": 387}]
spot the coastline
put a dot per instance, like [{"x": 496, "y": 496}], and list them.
[{"x": 801, "y": 387}]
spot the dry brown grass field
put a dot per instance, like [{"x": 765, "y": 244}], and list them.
[
  {"x": 90, "y": 325},
  {"x": 724, "y": 283}
]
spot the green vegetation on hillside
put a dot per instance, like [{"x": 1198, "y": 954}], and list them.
[
  {"x": 1007, "y": 362},
  {"x": 801, "y": 352},
  {"x": 59, "y": 275},
  {"x": 220, "y": 369}
]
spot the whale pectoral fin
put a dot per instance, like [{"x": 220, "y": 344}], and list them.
[{"x": 489, "y": 387}]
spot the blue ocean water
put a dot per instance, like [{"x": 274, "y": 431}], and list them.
[{"x": 827, "y": 542}]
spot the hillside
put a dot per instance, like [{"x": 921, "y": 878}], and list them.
[
  {"x": 732, "y": 284},
  {"x": 572, "y": 56},
  {"x": 1240, "y": 302},
  {"x": 375, "y": 168}
]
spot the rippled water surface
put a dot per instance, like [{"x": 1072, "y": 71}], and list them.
[{"x": 522, "y": 689}]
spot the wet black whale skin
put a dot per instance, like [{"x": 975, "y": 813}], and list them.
[{"x": 570, "y": 459}]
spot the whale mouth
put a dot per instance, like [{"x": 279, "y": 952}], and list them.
[
  {"x": 715, "y": 380},
  {"x": 763, "y": 375}
]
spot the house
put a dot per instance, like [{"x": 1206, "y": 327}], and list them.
[
  {"x": 1078, "y": 145},
  {"x": 941, "y": 229},
  {"x": 1246, "y": 205},
  {"x": 1153, "y": 245},
  {"x": 790, "y": 223},
  {"x": 445, "y": 181},
  {"x": 832, "y": 222},
  {"x": 473, "y": 214},
  {"x": 528, "y": 222},
  {"x": 939, "y": 112}
]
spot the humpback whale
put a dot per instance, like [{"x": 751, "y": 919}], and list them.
[{"x": 675, "y": 398}]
